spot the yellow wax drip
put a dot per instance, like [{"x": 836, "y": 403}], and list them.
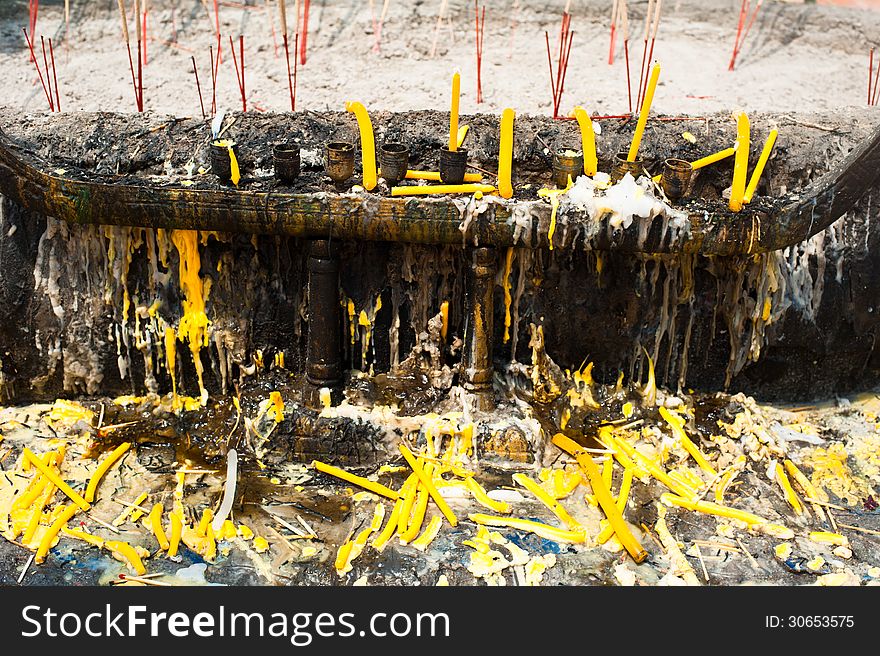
[
  {"x": 508, "y": 299},
  {"x": 193, "y": 326}
]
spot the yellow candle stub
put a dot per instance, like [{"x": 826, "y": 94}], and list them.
[
  {"x": 711, "y": 159},
  {"x": 643, "y": 114},
  {"x": 368, "y": 144},
  {"x": 505, "y": 156},
  {"x": 759, "y": 167},
  {"x": 741, "y": 163},
  {"x": 439, "y": 190},
  {"x": 588, "y": 141},
  {"x": 453, "y": 112}
]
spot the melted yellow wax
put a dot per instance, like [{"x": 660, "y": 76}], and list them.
[{"x": 193, "y": 326}]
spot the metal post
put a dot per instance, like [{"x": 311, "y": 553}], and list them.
[
  {"x": 323, "y": 356},
  {"x": 477, "y": 358}
]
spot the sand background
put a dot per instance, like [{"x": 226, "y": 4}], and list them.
[{"x": 797, "y": 56}]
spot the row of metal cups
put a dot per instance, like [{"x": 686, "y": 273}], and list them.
[
  {"x": 675, "y": 179},
  {"x": 394, "y": 163},
  {"x": 339, "y": 162}
]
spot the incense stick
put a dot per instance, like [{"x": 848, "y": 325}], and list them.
[
  {"x": 305, "y": 33},
  {"x": 54, "y": 77},
  {"x": 480, "y": 24},
  {"x": 625, "y": 26},
  {"x": 199, "y": 87},
  {"x": 615, "y": 12},
  {"x": 655, "y": 27},
  {"x": 239, "y": 75},
  {"x": 34, "y": 59},
  {"x": 46, "y": 66}
]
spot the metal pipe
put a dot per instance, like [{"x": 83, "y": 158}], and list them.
[
  {"x": 477, "y": 355},
  {"x": 324, "y": 347}
]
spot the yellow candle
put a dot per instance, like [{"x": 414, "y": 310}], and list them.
[
  {"x": 368, "y": 144},
  {"x": 421, "y": 543},
  {"x": 643, "y": 114},
  {"x": 711, "y": 159},
  {"x": 37, "y": 514},
  {"x": 759, "y": 167},
  {"x": 826, "y": 537},
  {"x": 418, "y": 513},
  {"x": 381, "y": 540},
  {"x": 741, "y": 163},
  {"x": 453, "y": 112},
  {"x": 588, "y": 141},
  {"x": 810, "y": 491},
  {"x": 544, "y": 530},
  {"x": 653, "y": 468},
  {"x": 712, "y": 509},
  {"x": 56, "y": 479},
  {"x": 408, "y": 498},
  {"x": 677, "y": 424},
  {"x": 156, "y": 526},
  {"x": 93, "y": 540},
  {"x": 102, "y": 469},
  {"x": 429, "y": 485},
  {"x": 548, "y": 501},
  {"x": 462, "y": 133},
  {"x": 176, "y": 532},
  {"x": 505, "y": 155},
  {"x": 434, "y": 176},
  {"x": 484, "y": 499},
  {"x": 128, "y": 552},
  {"x": 49, "y": 536},
  {"x": 360, "y": 481},
  {"x": 603, "y": 496},
  {"x": 437, "y": 190},
  {"x": 205, "y": 522},
  {"x": 36, "y": 486},
  {"x": 787, "y": 490}
]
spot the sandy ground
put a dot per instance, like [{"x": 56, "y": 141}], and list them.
[{"x": 797, "y": 56}]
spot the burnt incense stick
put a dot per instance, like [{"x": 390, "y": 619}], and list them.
[
  {"x": 54, "y": 77},
  {"x": 198, "y": 87},
  {"x": 46, "y": 66},
  {"x": 239, "y": 75},
  {"x": 34, "y": 59},
  {"x": 654, "y": 28},
  {"x": 625, "y": 28}
]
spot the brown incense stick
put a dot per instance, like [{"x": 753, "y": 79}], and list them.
[
  {"x": 54, "y": 77},
  {"x": 198, "y": 86}
]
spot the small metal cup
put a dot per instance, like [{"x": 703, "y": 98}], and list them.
[
  {"x": 287, "y": 162},
  {"x": 221, "y": 165},
  {"x": 622, "y": 166},
  {"x": 676, "y": 178},
  {"x": 567, "y": 162},
  {"x": 452, "y": 165},
  {"x": 340, "y": 161},
  {"x": 394, "y": 162}
]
